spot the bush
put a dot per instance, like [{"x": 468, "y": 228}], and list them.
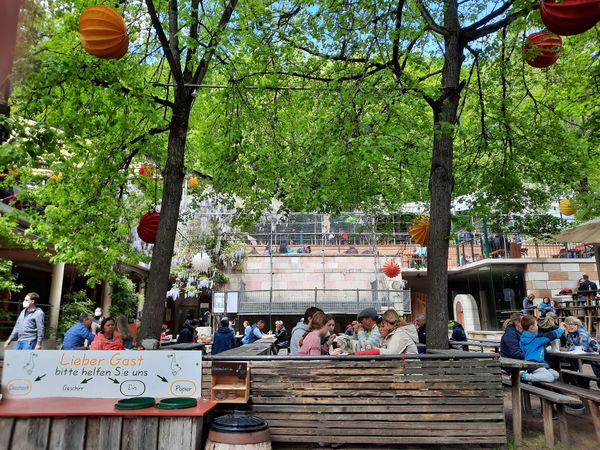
[
  {"x": 124, "y": 298},
  {"x": 75, "y": 303}
]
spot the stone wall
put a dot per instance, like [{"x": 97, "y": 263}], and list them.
[{"x": 546, "y": 278}]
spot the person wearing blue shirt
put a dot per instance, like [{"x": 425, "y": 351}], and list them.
[
  {"x": 76, "y": 336},
  {"x": 545, "y": 307},
  {"x": 533, "y": 345},
  {"x": 255, "y": 333}
]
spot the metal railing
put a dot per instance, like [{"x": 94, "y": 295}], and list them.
[{"x": 334, "y": 301}]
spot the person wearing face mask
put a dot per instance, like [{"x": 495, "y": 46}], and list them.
[
  {"x": 97, "y": 320},
  {"x": 29, "y": 329}
]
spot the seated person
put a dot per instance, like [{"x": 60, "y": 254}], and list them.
[
  {"x": 187, "y": 334},
  {"x": 107, "y": 338},
  {"x": 223, "y": 338},
  {"x": 546, "y": 307},
  {"x": 458, "y": 334},
  {"x": 509, "y": 344},
  {"x": 398, "y": 336},
  {"x": 256, "y": 332},
  {"x": 367, "y": 329},
  {"x": 281, "y": 338},
  {"x": 533, "y": 346},
  {"x": 578, "y": 337},
  {"x": 76, "y": 336},
  {"x": 310, "y": 344},
  {"x": 528, "y": 305}
]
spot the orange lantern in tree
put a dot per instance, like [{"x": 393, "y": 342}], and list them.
[
  {"x": 103, "y": 32},
  {"x": 146, "y": 170},
  {"x": 542, "y": 49},
  {"x": 565, "y": 206},
  {"x": 148, "y": 227},
  {"x": 193, "y": 182},
  {"x": 419, "y": 231},
  {"x": 569, "y": 17},
  {"x": 391, "y": 268}
]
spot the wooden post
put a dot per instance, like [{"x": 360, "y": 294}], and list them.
[
  {"x": 595, "y": 413},
  {"x": 563, "y": 427},
  {"x": 516, "y": 407},
  {"x": 548, "y": 426}
]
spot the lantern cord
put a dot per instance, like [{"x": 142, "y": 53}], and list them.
[{"x": 155, "y": 186}]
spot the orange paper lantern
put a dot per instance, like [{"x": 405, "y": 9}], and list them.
[
  {"x": 565, "y": 206},
  {"x": 193, "y": 182},
  {"x": 391, "y": 268},
  {"x": 419, "y": 232},
  {"x": 103, "y": 32},
  {"x": 542, "y": 49},
  {"x": 148, "y": 227}
]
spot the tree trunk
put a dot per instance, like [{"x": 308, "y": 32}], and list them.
[
  {"x": 441, "y": 182},
  {"x": 597, "y": 258},
  {"x": 158, "y": 281}
]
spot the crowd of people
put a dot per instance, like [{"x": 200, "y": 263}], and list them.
[
  {"x": 526, "y": 337},
  {"x": 94, "y": 331}
]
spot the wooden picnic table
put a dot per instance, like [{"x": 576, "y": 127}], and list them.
[
  {"x": 487, "y": 343},
  {"x": 185, "y": 346},
  {"x": 256, "y": 348},
  {"x": 514, "y": 366}
]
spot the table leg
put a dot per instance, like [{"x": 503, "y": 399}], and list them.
[
  {"x": 516, "y": 407},
  {"x": 562, "y": 426},
  {"x": 595, "y": 412},
  {"x": 548, "y": 426}
]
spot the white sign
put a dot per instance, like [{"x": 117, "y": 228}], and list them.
[
  {"x": 101, "y": 373},
  {"x": 232, "y": 302},
  {"x": 218, "y": 302}
]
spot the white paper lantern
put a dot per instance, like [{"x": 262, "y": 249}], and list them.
[{"x": 201, "y": 262}]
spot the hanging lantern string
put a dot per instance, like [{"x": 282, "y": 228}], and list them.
[{"x": 155, "y": 186}]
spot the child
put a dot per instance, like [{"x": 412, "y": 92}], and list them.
[
  {"x": 546, "y": 307},
  {"x": 533, "y": 346}
]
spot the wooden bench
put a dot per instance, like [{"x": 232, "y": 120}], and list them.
[
  {"x": 581, "y": 379},
  {"x": 549, "y": 398},
  {"x": 424, "y": 399},
  {"x": 591, "y": 397}
]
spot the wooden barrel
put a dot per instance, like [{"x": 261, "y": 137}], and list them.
[{"x": 238, "y": 431}]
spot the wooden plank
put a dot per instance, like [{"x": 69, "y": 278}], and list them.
[
  {"x": 580, "y": 392},
  {"x": 260, "y": 400},
  {"x": 378, "y": 393},
  {"x": 139, "y": 433},
  {"x": 452, "y": 417},
  {"x": 281, "y": 364},
  {"x": 67, "y": 433},
  {"x": 309, "y": 384},
  {"x": 414, "y": 371},
  {"x": 178, "y": 433},
  {"x": 30, "y": 434},
  {"x": 488, "y": 439},
  {"x": 6, "y": 431},
  {"x": 103, "y": 433},
  {"x": 548, "y": 426},
  {"x": 455, "y": 379},
  {"x": 380, "y": 425},
  {"x": 381, "y": 408},
  {"x": 382, "y": 432},
  {"x": 563, "y": 428}
]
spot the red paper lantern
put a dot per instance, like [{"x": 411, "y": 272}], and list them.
[
  {"x": 148, "y": 227},
  {"x": 391, "y": 268},
  {"x": 542, "y": 49},
  {"x": 103, "y": 32},
  {"x": 569, "y": 17},
  {"x": 146, "y": 170}
]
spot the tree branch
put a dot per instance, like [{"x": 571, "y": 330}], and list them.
[
  {"x": 173, "y": 30},
  {"x": 191, "y": 51},
  {"x": 164, "y": 42},
  {"x": 491, "y": 16},
  {"x": 214, "y": 41},
  {"x": 429, "y": 19},
  {"x": 396, "y": 39},
  {"x": 492, "y": 28}
]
